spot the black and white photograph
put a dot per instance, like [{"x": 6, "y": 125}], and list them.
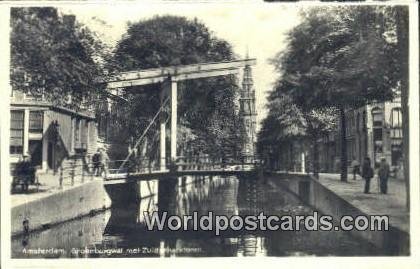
[{"x": 202, "y": 130}]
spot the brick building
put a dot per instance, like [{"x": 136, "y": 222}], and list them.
[
  {"x": 50, "y": 134},
  {"x": 373, "y": 130}
]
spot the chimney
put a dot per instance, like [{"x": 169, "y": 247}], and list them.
[{"x": 69, "y": 20}]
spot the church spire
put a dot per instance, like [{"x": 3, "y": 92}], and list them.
[{"x": 247, "y": 110}]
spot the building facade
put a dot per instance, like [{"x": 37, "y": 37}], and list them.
[
  {"x": 373, "y": 131},
  {"x": 248, "y": 113},
  {"x": 49, "y": 134}
]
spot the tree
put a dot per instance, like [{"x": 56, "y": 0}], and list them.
[
  {"x": 319, "y": 122},
  {"x": 207, "y": 107},
  {"x": 286, "y": 123},
  {"x": 282, "y": 125},
  {"x": 401, "y": 18},
  {"x": 54, "y": 55},
  {"x": 339, "y": 58}
]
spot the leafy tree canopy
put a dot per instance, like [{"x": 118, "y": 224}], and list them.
[
  {"x": 54, "y": 54},
  {"x": 207, "y": 107},
  {"x": 287, "y": 122},
  {"x": 337, "y": 58},
  {"x": 340, "y": 56}
]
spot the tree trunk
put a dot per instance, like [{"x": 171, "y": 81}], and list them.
[
  {"x": 402, "y": 35},
  {"x": 343, "y": 145},
  {"x": 316, "y": 158},
  {"x": 292, "y": 158}
]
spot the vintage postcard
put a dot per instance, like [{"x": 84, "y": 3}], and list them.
[{"x": 181, "y": 129}]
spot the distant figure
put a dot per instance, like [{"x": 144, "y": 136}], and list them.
[
  {"x": 356, "y": 167},
  {"x": 367, "y": 173},
  {"x": 96, "y": 160},
  {"x": 104, "y": 159},
  {"x": 25, "y": 225},
  {"x": 383, "y": 174}
]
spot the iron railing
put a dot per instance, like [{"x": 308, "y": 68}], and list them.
[
  {"x": 182, "y": 163},
  {"x": 71, "y": 172}
]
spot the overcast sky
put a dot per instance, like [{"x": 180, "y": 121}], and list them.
[{"x": 260, "y": 27}]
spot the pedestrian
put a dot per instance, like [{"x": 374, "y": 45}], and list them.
[
  {"x": 104, "y": 159},
  {"x": 96, "y": 163},
  {"x": 383, "y": 174},
  {"x": 356, "y": 167},
  {"x": 367, "y": 173}
]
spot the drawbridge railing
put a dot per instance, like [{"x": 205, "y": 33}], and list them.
[
  {"x": 225, "y": 163},
  {"x": 140, "y": 139},
  {"x": 146, "y": 165}
]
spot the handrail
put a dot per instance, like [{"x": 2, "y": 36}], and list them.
[
  {"x": 199, "y": 163},
  {"x": 71, "y": 171},
  {"x": 145, "y": 131}
]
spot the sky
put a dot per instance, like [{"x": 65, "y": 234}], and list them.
[{"x": 259, "y": 28}]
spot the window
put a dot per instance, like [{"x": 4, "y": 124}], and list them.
[
  {"x": 36, "y": 121},
  {"x": 377, "y": 118},
  {"x": 396, "y": 118},
  {"x": 377, "y": 134},
  {"x": 16, "y": 131}
]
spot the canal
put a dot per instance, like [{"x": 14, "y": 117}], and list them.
[{"x": 121, "y": 232}]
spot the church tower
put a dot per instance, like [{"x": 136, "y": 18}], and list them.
[{"x": 248, "y": 113}]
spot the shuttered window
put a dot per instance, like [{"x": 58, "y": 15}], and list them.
[
  {"x": 35, "y": 121},
  {"x": 16, "y": 131}
]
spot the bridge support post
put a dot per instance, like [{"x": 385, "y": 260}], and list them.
[
  {"x": 303, "y": 166},
  {"x": 174, "y": 117},
  {"x": 162, "y": 122}
]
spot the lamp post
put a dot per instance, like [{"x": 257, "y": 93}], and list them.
[{"x": 56, "y": 135}]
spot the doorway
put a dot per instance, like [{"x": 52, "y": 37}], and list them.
[{"x": 35, "y": 150}]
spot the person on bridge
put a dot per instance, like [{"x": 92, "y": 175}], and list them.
[
  {"x": 104, "y": 160},
  {"x": 96, "y": 160},
  {"x": 383, "y": 174},
  {"x": 367, "y": 173}
]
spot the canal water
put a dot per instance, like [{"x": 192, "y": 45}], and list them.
[{"x": 121, "y": 232}]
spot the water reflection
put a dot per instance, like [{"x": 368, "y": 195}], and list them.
[
  {"x": 250, "y": 195},
  {"x": 124, "y": 228},
  {"x": 59, "y": 240}
]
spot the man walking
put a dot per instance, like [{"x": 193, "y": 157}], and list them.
[
  {"x": 96, "y": 163},
  {"x": 104, "y": 160},
  {"x": 367, "y": 174},
  {"x": 383, "y": 174}
]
